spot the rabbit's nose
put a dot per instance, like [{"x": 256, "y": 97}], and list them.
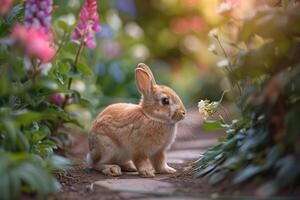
[{"x": 183, "y": 113}]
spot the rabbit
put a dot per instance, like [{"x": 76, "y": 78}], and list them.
[{"x": 135, "y": 137}]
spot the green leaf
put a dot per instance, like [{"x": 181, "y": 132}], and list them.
[
  {"x": 274, "y": 154},
  {"x": 230, "y": 144},
  {"x": 45, "y": 148},
  {"x": 217, "y": 177},
  {"x": 212, "y": 125},
  {"x": 39, "y": 180},
  {"x": 49, "y": 84},
  {"x": 288, "y": 172},
  {"x": 38, "y": 136},
  {"x": 247, "y": 173},
  {"x": 26, "y": 117},
  {"x": 84, "y": 69},
  {"x": 85, "y": 103},
  {"x": 15, "y": 185},
  {"x": 206, "y": 170},
  {"x": 5, "y": 187},
  {"x": 210, "y": 155},
  {"x": 60, "y": 162},
  {"x": 15, "y": 13},
  {"x": 62, "y": 24},
  {"x": 64, "y": 66},
  {"x": 10, "y": 129},
  {"x": 233, "y": 162},
  {"x": 22, "y": 141},
  {"x": 49, "y": 144}
]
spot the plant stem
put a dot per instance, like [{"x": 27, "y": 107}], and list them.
[
  {"x": 229, "y": 68},
  {"x": 35, "y": 66},
  {"x": 76, "y": 60},
  {"x": 60, "y": 45}
]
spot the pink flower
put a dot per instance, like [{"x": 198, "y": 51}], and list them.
[
  {"x": 38, "y": 15},
  {"x": 58, "y": 99},
  {"x": 70, "y": 101},
  {"x": 35, "y": 42},
  {"x": 5, "y": 6},
  {"x": 88, "y": 24}
]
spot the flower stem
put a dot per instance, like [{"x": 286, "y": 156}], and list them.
[
  {"x": 76, "y": 60},
  {"x": 60, "y": 45},
  {"x": 229, "y": 68},
  {"x": 35, "y": 71}
]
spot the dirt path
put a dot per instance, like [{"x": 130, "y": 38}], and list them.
[{"x": 81, "y": 182}]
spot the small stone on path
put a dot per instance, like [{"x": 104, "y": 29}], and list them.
[{"x": 136, "y": 186}]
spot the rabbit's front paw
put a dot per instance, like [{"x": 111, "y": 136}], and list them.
[
  {"x": 112, "y": 170},
  {"x": 147, "y": 172},
  {"x": 167, "y": 170}
]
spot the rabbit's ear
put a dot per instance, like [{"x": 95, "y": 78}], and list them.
[
  {"x": 143, "y": 81},
  {"x": 148, "y": 70}
]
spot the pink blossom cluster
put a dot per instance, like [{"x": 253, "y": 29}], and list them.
[
  {"x": 38, "y": 15},
  {"x": 60, "y": 99},
  {"x": 34, "y": 42},
  {"x": 88, "y": 24},
  {"x": 5, "y": 6}
]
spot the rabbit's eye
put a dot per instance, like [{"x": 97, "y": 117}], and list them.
[{"x": 165, "y": 101}]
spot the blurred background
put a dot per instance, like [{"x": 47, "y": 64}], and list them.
[
  {"x": 171, "y": 36},
  {"x": 200, "y": 48}
]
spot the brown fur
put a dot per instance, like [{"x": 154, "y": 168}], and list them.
[{"x": 123, "y": 133}]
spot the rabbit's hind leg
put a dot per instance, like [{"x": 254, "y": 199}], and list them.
[
  {"x": 107, "y": 169},
  {"x": 128, "y": 166},
  {"x": 104, "y": 155}
]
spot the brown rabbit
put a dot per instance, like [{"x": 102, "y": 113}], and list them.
[{"x": 135, "y": 137}]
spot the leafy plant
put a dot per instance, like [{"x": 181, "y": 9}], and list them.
[
  {"x": 264, "y": 142},
  {"x": 35, "y": 100}
]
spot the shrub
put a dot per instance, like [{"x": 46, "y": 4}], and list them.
[
  {"x": 35, "y": 91},
  {"x": 264, "y": 142}
]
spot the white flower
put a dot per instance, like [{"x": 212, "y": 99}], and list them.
[
  {"x": 223, "y": 8},
  {"x": 204, "y": 114},
  {"x": 212, "y": 48},
  {"x": 79, "y": 86},
  {"x": 201, "y": 104},
  {"x": 207, "y": 109},
  {"x": 45, "y": 68},
  {"x": 202, "y": 109},
  {"x": 68, "y": 19},
  {"x": 213, "y": 33},
  {"x": 27, "y": 63},
  {"x": 223, "y": 63}
]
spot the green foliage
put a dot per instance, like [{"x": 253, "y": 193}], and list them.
[
  {"x": 14, "y": 15},
  {"x": 32, "y": 123},
  {"x": 24, "y": 172},
  {"x": 212, "y": 125},
  {"x": 265, "y": 141}
]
